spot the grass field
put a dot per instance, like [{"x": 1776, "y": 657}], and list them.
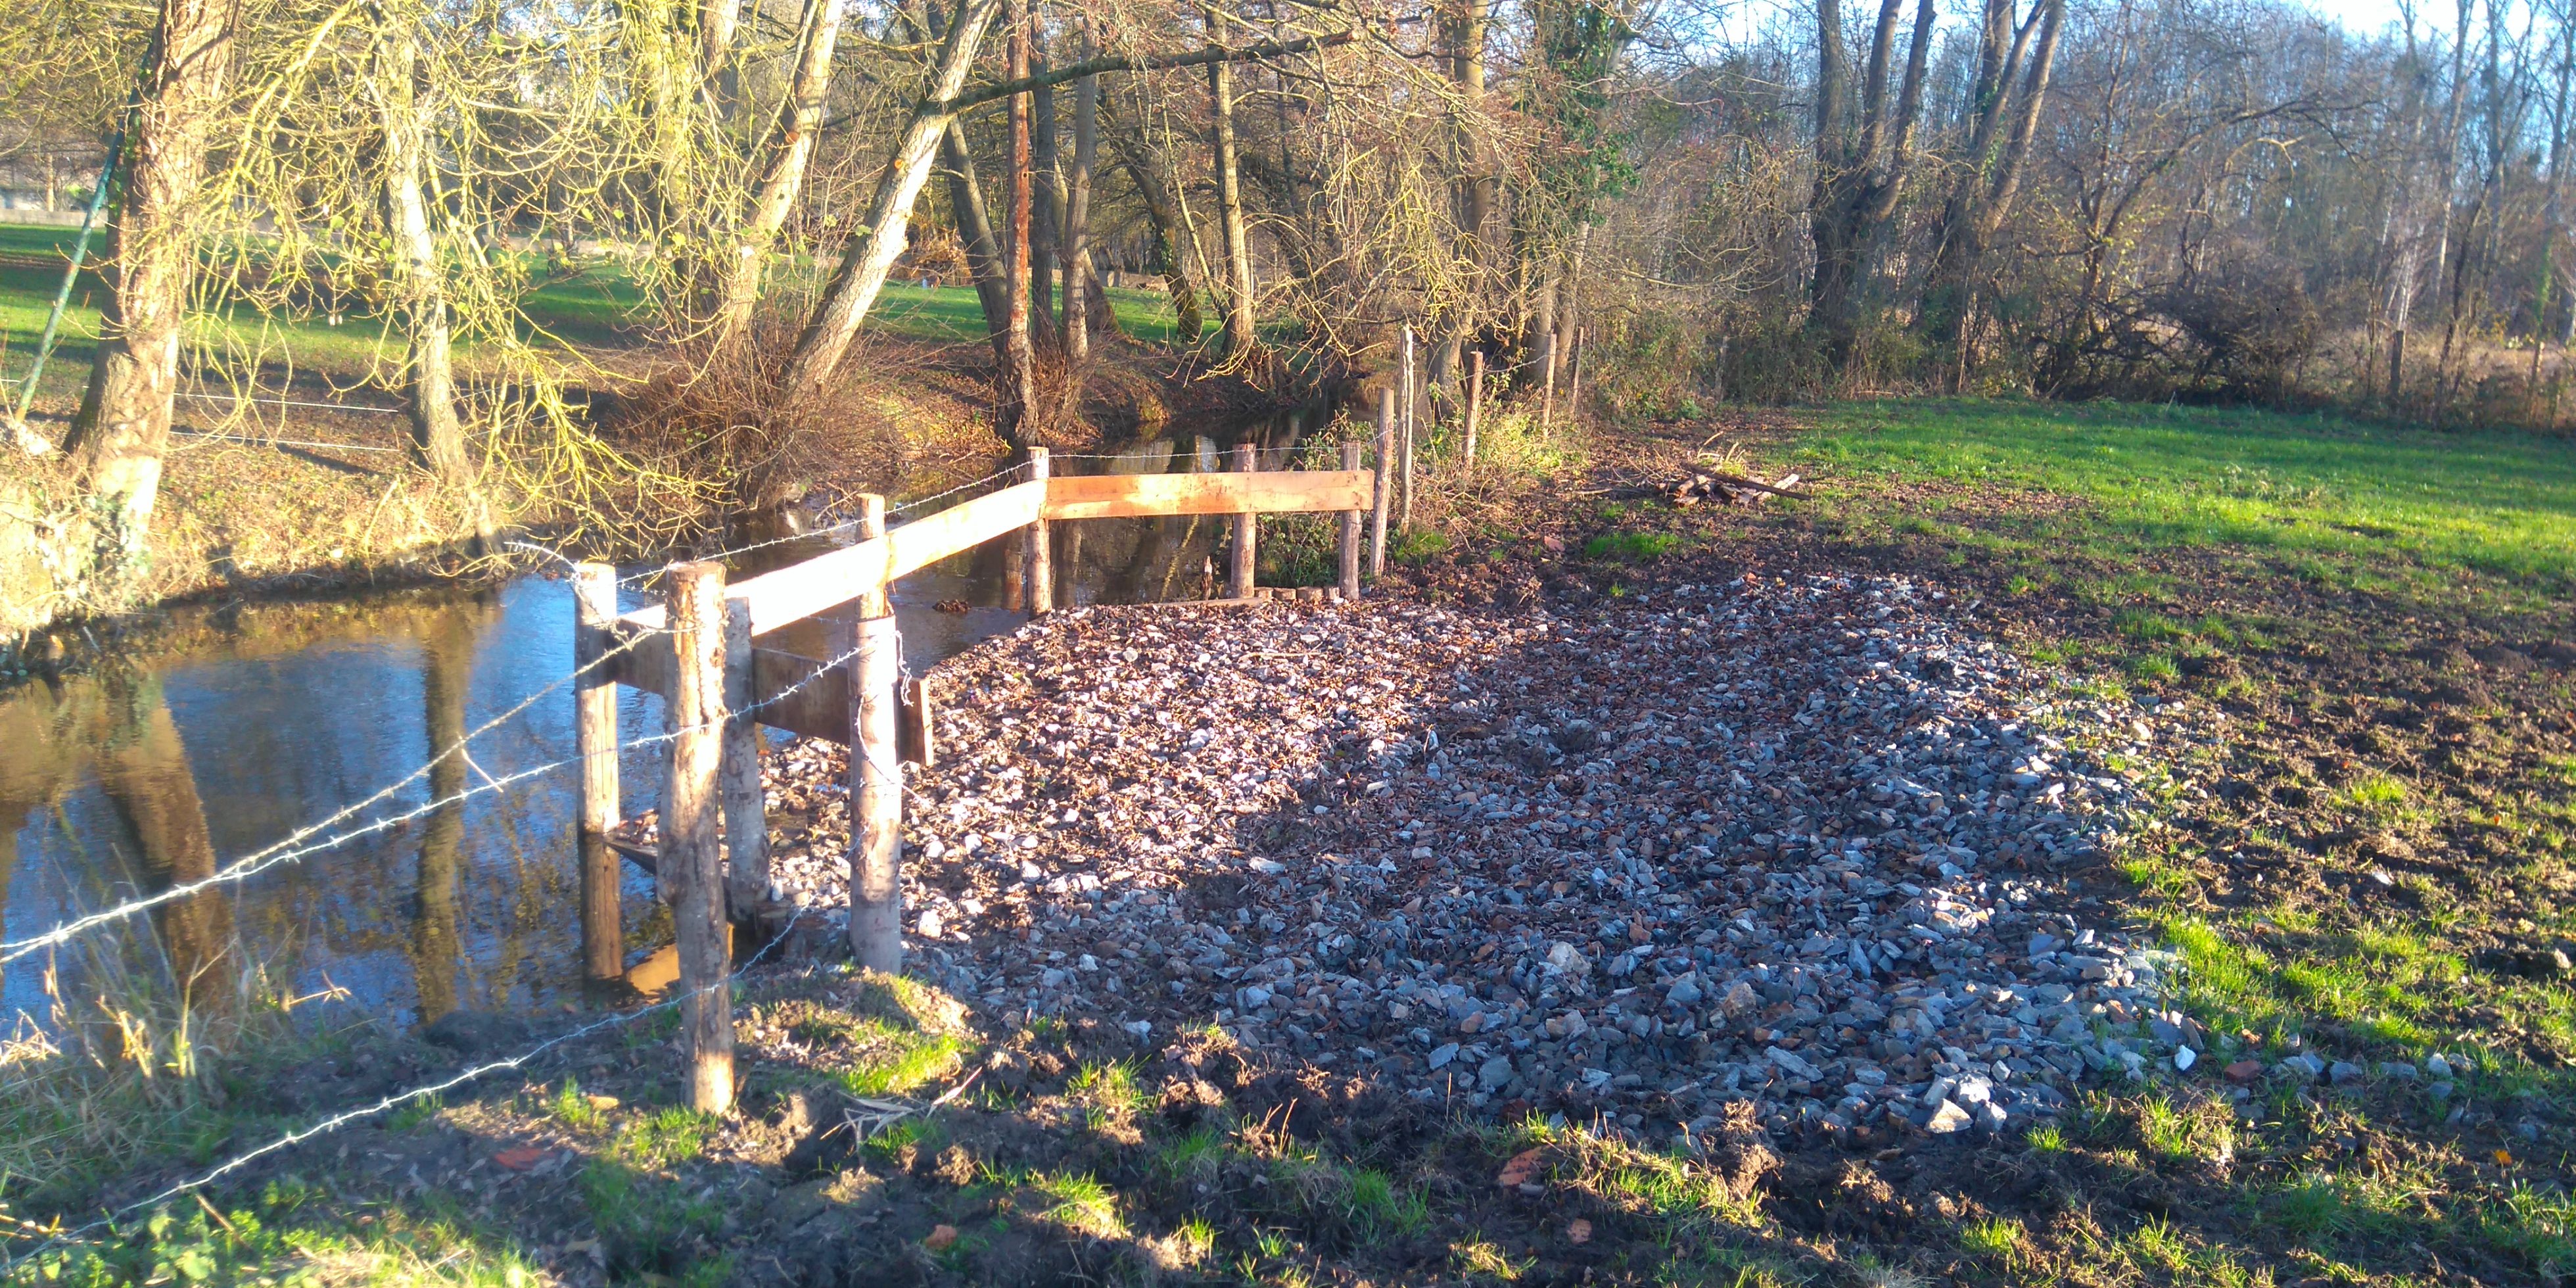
[
  {"x": 2388, "y": 508},
  {"x": 594, "y": 306}
]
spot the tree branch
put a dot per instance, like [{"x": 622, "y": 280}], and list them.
[{"x": 1144, "y": 63}]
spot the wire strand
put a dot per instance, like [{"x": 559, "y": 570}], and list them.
[
  {"x": 342, "y": 1119},
  {"x": 274, "y": 856},
  {"x": 262, "y": 860}
]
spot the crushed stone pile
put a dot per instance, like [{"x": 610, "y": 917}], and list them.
[{"x": 1786, "y": 842}]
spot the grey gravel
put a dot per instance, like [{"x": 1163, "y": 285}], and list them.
[{"x": 1793, "y": 842}]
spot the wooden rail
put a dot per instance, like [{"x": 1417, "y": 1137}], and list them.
[{"x": 697, "y": 650}]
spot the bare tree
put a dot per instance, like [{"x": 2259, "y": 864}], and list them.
[
  {"x": 2011, "y": 86},
  {"x": 123, "y": 427},
  {"x": 1859, "y": 175}
]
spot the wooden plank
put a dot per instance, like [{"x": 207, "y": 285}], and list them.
[
  {"x": 828, "y": 580},
  {"x": 1123, "y": 496},
  {"x": 960, "y": 528}
]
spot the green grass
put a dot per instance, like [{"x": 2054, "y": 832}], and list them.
[
  {"x": 594, "y": 305},
  {"x": 1109, "y": 1093},
  {"x": 2351, "y": 499},
  {"x": 897, "y": 1063},
  {"x": 1081, "y": 1202},
  {"x": 665, "y": 1138},
  {"x": 1631, "y": 547}
]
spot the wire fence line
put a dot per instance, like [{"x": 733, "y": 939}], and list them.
[
  {"x": 79, "y": 1234},
  {"x": 279, "y": 854},
  {"x": 286, "y": 848}
]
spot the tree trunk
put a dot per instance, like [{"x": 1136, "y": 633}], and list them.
[
  {"x": 1239, "y": 334},
  {"x": 1569, "y": 309},
  {"x": 717, "y": 21},
  {"x": 1984, "y": 197},
  {"x": 1859, "y": 180},
  {"x": 1468, "y": 65},
  {"x": 1047, "y": 214},
  {"x": 871, "y": 256},
  {"x": 788, "y": 151},
  {"x": 1146, "y": 164},
  {"x": 419, "y": 285},
  {"x": 1077, "y": 227},
  {"x": 123, "y": 426},
  {"x": 1018, "y": 357},
  {"x": 983, "y": 255}
]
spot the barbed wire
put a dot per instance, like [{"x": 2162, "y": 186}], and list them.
[
  {"x": 262, "y": 860},
  {"x": 274, "y": 857},
  {"x": 345, "y": 1117}
]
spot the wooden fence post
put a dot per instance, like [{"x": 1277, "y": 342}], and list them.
[
  {"x": 1041, "y": 551},
  {"x": 1350, "y": 551},
  {"x": 1405, "y": 434},
  {"x": 1547, "y": 395},
  {"x": 876, "y": 796},
  {"x": 1408, "y": 398},
  {"x": 1475, "y": 399},
  {"x": 689, "y": 861},
  {"x": 913, "y": 736},
  {"x": 603, "y": 935},
  {"x": 1574, "y": 380},
  {"x": 746, "y": 822},
  {"x": 872, "y": 525},
  {"x": 1239, "y": 570},
  {"x": 1382, "y": 483}
]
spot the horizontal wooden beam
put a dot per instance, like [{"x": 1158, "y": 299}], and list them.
[
  {"x": 961, "y": 528},
  {"x": 1127, "y": 496},
  {"x": 835, "y": 577}
]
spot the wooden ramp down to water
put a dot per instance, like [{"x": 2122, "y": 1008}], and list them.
[{"x": 697, "y": 650}]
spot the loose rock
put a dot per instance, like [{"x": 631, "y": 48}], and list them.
[{"x": 1784, "y": 851}]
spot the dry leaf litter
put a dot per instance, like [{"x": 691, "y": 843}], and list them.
[{"x": 1786, "y": 842}]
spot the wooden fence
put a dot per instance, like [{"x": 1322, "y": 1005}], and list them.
[{"x": 697, "y": 650}]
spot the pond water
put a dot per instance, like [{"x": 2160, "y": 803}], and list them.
[{"x": 240, "y": 725}]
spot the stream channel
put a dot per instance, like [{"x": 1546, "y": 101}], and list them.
[{"x": 238, "y": 724}]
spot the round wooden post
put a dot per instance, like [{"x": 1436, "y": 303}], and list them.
[
  {"x": 1041, "y": 551},
  {"x": 1475, "y": 399},
  {"x": 1547, "y": 395},
  {"x": 746, "y": 822},
  {"x": 1239, "y": 570},
  {"x": 1404, "y": 421},
  {"x": 876, "y": 795},
  {"x": 871, "y": 525},
  {"x": 689, "y": 861},
  {"x": 1383, "y": 483},
  {"x": 1350, "y": 551},
  {"x": 603, "y": 935},
  {"x": 1574, "y": 379}
]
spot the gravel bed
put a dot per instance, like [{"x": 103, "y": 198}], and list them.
[{"x": 1793, "y": 842}]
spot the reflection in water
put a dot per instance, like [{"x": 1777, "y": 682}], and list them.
[
  {"x": 143, "y": 770},
  {"x": 447, "y": 671}
]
